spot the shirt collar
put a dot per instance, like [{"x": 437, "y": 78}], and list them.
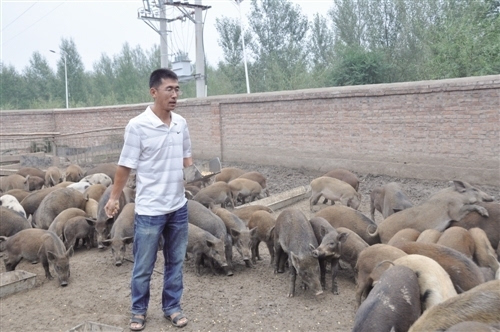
[{"x": 155, "y": 120}]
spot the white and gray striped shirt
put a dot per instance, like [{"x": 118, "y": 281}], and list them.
[{"x": 156, "y": 152}]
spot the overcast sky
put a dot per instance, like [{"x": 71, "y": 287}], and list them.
[{"x": 103, "y": 26}]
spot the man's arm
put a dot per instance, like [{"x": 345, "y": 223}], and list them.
[
  {"x": 121, "y": 177},
  {"x": 188, "y": 161}
]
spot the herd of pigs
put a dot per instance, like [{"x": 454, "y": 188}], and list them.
[{"x": 429, "y": 267}]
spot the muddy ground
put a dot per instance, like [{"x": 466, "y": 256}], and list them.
[{"x": 254, "y": 299}]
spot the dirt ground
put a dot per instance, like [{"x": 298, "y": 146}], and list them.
[{"x": 254, "y": 299}]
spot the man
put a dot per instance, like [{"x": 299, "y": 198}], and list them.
[{"x": 157, "y": 145}]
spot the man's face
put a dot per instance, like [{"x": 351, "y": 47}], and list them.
[{"x": 165, "y": 95}]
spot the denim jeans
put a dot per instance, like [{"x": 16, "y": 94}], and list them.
[{"x": 147, "y": 232}]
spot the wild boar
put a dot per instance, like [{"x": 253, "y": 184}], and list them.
[
  {"x": 95, "y": 191},
  {"x": 429, "y": 236},
  {"x": 392, "y": 305},
  {"x": 343, "y": 216},
  {"x": 484, "y": 254},
  {"x": 388, "y": 199},
  {"x": 76, "y": 229},
  {"x": 11, "y": 222},
  {"x": 452, "y": 203},
  {"x": 368, "y": 268},
  {"x": 480, "y": 304},
  {"x": 229, "y": 173},
  {"x": 57, "y": 225},
  {"x": 404, "y": 235},
  {"x": 434, "y": 283},
  {"x": 108, "y": 168},
  {"x": 205, "y": 219},
  {"x": 242, "y": 188},
  {"x": 334, "y": 190},
  {"x": 203, "y": 245},
  {"x": 19, "y": 194},
  {"x": 32, "y": 183},
  {"x": 458, "y": 238},
  {"x": 79, "y": 186},
  {"x": 344, "y": 175},
  {"x": 264, "y": 222},
  {"x": 257, "y": 177},
  {"x": 12, "y": 203},
  {"x": 38, "y": 245},
  {"x": 31, "y": 202},
  {"x": 328, "y": 250},
  {"x": 12, "y": 181},
  {"x": 351, "y": 248},
  {"x": 245, "y": 212},
  {"x": 53, "y": 176},
  {"x": 216, "y": 193},
  {"x": 98, "y": 178},
  {"x": 122, "y": 233},
  {"x": 73, "y": 173},
  {"x": 294, "y": 238}
]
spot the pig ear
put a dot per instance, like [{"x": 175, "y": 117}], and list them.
[
  {"x": 51, "y": 256},
  {"x": 342, "y": 237},
  {"x": 459, "y": 186},
  {"x": 312, "y": 247},
  {"x": 210, "y": 244},
  {"x": 91, "y": 221},
  {"x": 128, "y": 240},
  {"x": 70, "y": 252},
  {"x": 235, "y": 233},
  {"x": 253, "y": 231}
]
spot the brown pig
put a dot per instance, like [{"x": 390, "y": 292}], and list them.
[
  {"x": 458, "y": 238},
  {"x": 429, "y": 236},
  {"x": 264, "y": 222},
  {"x": 203, "y": 245},
  {"x": 216, "y": 193},
  {"x": 122, "y": 233},
  {"x": 257, "y": 177},
  {"x": 242, "y": 188},
  {"x": 245, "y": 212},
  {"x": 334, "y": 190},
  {"x": 388, "y": 199},
  {"x": 38, "y": 245},
  {"x": 229, "y": 173}
]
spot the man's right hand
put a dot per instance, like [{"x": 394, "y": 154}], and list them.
[{"x": 112, "y": 207}]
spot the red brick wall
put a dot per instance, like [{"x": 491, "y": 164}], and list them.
[{"x": 446, "y": 129}]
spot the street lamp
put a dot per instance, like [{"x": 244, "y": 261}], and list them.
[
  {"x": 65, "y": 74},
  {"x": 243, "y": 44}
]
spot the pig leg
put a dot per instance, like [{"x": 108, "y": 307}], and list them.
[
  {"x": 313, "y": 200},
  {"x": 198, "y": 262},
  {"x": 255, "y": 250},
  {"x": 45, "y": 264},
  {"x": 293, "y": 278},
  {"x": 335, "y": 270},
  {"x": 464, "y": 210},
  {"x": 280, "y": 257},
  {"x": 270, "y": 247},
  {"x": 322, "y": 270}
]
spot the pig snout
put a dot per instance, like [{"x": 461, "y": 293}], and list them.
[{"x": 118, "y": 263}]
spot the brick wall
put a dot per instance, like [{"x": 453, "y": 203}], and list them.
[{"x": 447, "y": 129}]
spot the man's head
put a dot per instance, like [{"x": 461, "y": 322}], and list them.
[{"x": 164, "y": 88}]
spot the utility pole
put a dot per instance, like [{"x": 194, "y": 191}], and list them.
[
  {"x": 243, "y": 45},
  {"x": 200, "y": 52},
  {"x": 163, "y": 36}
]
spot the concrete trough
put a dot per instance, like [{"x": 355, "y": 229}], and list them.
[
  {"x": 95, "y": 327},
  {"x": 16, "y": 281},
  {"x": 284, "y": 199}
]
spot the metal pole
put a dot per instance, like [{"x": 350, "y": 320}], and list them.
[
  {"x": 200, "y": 53},
  {"x": 163, "y": 35},
  {"x": 66, "y": 79},
  {"x": 243, "y": 44}
]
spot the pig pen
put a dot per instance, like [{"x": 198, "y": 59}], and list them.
[{"x": 254, "y": 299}]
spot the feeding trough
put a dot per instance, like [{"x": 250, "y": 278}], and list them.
[
  {"x": 95, "y": 327},
  {"x": 15, "y": 281},
  {"x": 202, "y": 172}
]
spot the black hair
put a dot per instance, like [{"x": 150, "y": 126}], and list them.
[{"x": 159, "y": 74}]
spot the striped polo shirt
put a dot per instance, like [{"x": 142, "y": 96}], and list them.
[{"x": 156, "y": 152}]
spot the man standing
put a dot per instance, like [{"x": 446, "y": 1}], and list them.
[{"x": 157, "y": 145}]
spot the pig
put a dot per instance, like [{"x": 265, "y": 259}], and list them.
[
  {"x": 429, "y": 236},
  {"x": 33, "y": 171},
  {"x": 77, "y": 228},
  {"x": 229, "y": 173},
  {"x": 257, "y": 177},
  {"x": 12, "y": 203},
  {"x": 388, "y": 199},
  {"x": 97, "y": 178},
  {"x": 103, "y": 223},
  {"x": 19, "y": 194},
  {"x": 203, "y": 244},
  {"x": 329, "y": 249},
  {"x": 79, "y": 186},
  {"x": 122, "y": 233},
  {"x": 129, "y": 194},
  {"x": 435, "y": 284},
  {"x": 448, "y": 204},
  {"x": 242, "y": 188},
  {"x": 368, "y": 260},
  {"x": 190, "y": 191},
  {"x": 56, "y": 202},
  {"x": 57, "y": 226},
  {"x": 479, "y": 304},
  {"x": 484, "y": 254},
  {"x": 241, "y": 236},
  {"x": 108, "y": 168},
  {"x": 245, "y": 212},
  {"x": 343, "y": 216},
  {"x": 334, "y": 190},
  {"x": 294, "y": 237},
  {"x": 95, "y": 191},
  {"x": 73, "y": 173},
  {"x": 351, "y": 248},
  {"x": 264, "y": 223},
  {"x": 392, "y": 305},
  {"x": 31, "y": 202},
  {"x": 11, "y": 222},
  {"x": 490, "y": 224},
  {"x": 53, "y": 176},
  {"x": 404, "y": 235},
  {"x": 32, "y": 183},
  {"x": 216, "y": 193},
  {"x": 131, "y": 181},
  {"x": 474, "y": 326},
  {"x": 464, "y": 273},
  {"x": 38, "y": 245},
  {"x": 205, "y": 219},
  {"x": 458, "y": 238},
  {"x": 12, "y": 181},
  {"x": 344, "y": 175}
]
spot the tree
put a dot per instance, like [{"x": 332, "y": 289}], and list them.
[
  {"x": 11, "y": 86},
  {"x": 40, "y": 79}
]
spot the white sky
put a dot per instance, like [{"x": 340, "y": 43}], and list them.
[{"x": 103, "y": 26}]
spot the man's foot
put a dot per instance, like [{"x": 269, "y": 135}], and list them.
[
  {"x": 137, "y": 322},
  {"x": 177, "y": 319}
]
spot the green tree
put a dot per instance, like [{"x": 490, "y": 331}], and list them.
[
  {"x": 321, "y": 49},
  {"x": 11, "y": 88},
  {"x": 41, "y": 80}
]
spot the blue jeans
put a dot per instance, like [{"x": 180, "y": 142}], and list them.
[{"x": 147, "y": 232}]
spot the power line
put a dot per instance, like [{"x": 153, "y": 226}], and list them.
[
  {"x": 18, "y": 17},
  {"x": 5, "y": 42}
]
